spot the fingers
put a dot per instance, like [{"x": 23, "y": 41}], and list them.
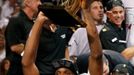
[
  {"x": 41, "y": 16},
  {"x": 83, "y": 4}
]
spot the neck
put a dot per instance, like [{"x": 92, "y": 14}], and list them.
[
  {"x": 98, "y": 22},
  {"x": 29, "y": 13}
]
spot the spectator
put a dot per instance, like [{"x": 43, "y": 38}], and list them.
[
  {"x": 6, "y": 12},
  {"x": 4, "y": 66},
  {"x": 113, "y": 35},
  {"x": 2, "y": 46},
  {"x": 16, "y": 34},
  {"x": 79, "y": 40},
  {"x": 129, "y": 7},
  {"x": 110, "y": 61}
]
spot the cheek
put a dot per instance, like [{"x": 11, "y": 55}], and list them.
[
  {"x": 122, "y": 16},
  {"x": 112, "y": 18},
  {"x": 94, "y": 14}
]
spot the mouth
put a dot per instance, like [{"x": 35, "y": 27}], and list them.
[{"x": 101, "y": 15}]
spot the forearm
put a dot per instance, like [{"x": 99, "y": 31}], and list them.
[
  {"x": 95, "y": 63},
  {"x": 32, "y": 43},
  {"x": 128, "y": 53},
  {"x": 67, "y": 54},
  {"x": 18, "y": 48}
]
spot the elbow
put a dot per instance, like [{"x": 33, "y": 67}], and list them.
[{"x": 24, "y": 63}]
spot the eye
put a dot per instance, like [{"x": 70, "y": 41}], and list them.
[
  {"x": 121, "y": 11},
  {"x": 114, "y": 12}
]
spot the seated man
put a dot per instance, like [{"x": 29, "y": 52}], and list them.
[
  {"x": 110, "y": 60},
  {"x": 79, "y": 41},
  {"x": 113, "y": 35}
]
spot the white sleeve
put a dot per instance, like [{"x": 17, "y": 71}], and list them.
[{"x": 73, "y": 46}]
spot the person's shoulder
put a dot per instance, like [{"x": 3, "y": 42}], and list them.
[
  {"x": 105, "y": 30},
  {"x": 80, "y": 30}
]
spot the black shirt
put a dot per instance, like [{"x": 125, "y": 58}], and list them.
[
  {"x": 113, "y": 38},
  {"x": 51, "y": 47},
  {"x": 16, "y": 32}
]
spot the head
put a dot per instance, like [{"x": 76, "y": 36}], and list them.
[
  {"x": 64, "y": 67},
  {"x": 115, "y": 12},
  {"x": 12, "y": 2},
  {"x": 31, "y": 5},
  {"x": 64, "y": 71},
  {"x": 4, "y": 66},
  {"x": 120, "y": 69},
  {"x": 105, "y": 66},
  {"x": 96, "y": 10}
]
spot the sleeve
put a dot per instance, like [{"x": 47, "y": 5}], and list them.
[
  {"x": 14, "y": 32},
  {"x": 73, "y": 46},
  {"x": 110, "y": 40},
  {"x": 130, "y": 35}
]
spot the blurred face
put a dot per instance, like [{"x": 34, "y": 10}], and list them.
[
  {"x": 32, "y": 5},
  {"x": 64, "y": 71},
  {"x": 97, "y": 11},
  {"x": 105, "y": 69},
  {"x": 35, "y": 4},
  {"x": 12, "y": 2},
  {"x": 116, "y": 15}
]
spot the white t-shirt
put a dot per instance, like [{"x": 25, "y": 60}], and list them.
[
  {"x": 6, "y": 13},
  {"x": 128, "y": 3},
  {"x": 129, "y": 8},
  {"x": 79, "y": 42}
]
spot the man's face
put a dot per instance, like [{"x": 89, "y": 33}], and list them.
[
  {"x": 64, "y": 71},
  {"x": 34, "y": 5},
  {"x": 97, "y": 11},
  {"x": 105, "y": 68},
  {"x": 116, "y": 15}
]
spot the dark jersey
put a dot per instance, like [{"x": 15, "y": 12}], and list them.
[
  {"x": 113, "y": 38},
  {"x": 51, "y": 47}
]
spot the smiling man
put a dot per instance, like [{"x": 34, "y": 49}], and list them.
[{"x": 113, "y": 35}]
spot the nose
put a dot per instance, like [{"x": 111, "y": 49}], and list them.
[
  {"x": 118, "y": 14},
  {"x": 100, "y": 9}
]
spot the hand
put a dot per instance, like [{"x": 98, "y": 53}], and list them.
[
  {"x": 41, "y": 17},
  {"x": 84, "y": 4}
]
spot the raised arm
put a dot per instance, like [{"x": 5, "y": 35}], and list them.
[
  {"x": 28, "y": 59},
  {"x": 95, "y": 63}
]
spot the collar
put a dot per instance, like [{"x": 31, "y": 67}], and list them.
[
  {"x": 23, "y": 14},
  {"x": 115, "y": 26}
]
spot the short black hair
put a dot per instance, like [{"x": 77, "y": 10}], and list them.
[
  {"x": 112, "y": 3},
  {"x": 91, "y": 1}
]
